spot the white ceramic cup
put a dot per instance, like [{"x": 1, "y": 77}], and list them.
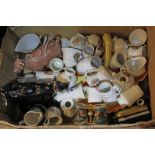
[
  {"x": 118, "y": 60},
  {"x": 68, "y": 56},
  {"x": 78, "y": 41},
  {"x": 56, "y": 64},
  {"x": 53, "y": 116},
  {"x": 136, "y": 52},
  {"x": 94, "y": 77},
  {"x": 93, "y": 40},
  {"x": 120, "y": 45},
  {"x": 93, "y": 95},
  {"x": 108, "y": 91},
  {"x": 89, "y": 63}
]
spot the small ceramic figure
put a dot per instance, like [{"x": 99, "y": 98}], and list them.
[
  {"x": 100, "y": 116},
  {"x": 81, "y": 117}
]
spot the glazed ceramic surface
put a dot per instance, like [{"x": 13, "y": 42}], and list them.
[
  {"x": 27, "y": 43},
  {"x": 138, "y": 37}
]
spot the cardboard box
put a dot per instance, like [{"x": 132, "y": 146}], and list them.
[{"x": 120, "y": 31}]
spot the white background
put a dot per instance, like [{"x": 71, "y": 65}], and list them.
[{"x": 79, "y": 12}]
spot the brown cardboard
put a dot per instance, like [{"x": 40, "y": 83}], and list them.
[
  {"x": 68, "y": 31},
  {"x": 151, "y": 72}
]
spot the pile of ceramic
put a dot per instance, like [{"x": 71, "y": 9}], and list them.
[{"x": 92, "y": 76}]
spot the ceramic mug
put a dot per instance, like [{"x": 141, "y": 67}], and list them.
[
  {"x": 88, "y": 50},
  {"x": 53, "y": 116},
  {"x": 35, "y": 115},
  {"x": 118, "y": 60},
  {"x": 89, "y": 63},
  {"x": 68, "y": 56},
  {"x": 130, "y": 96},
  {"x": 93, "y": 40},
  {"x": 93, "y": 95},
  {"x": 68, "y": 76},
  {"x": 56, "y": 65},
  {"x": 68, "y": 107},
  {"x": 109, "y": 91},
  {"x": 138, "y": 37},
  {"x": 120, "y": 45},
  {"x": 136, "y": 52},
  {"x": 78, "y": 41},
  {"x": 94, "y": 77}
]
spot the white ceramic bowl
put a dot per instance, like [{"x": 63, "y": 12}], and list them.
[{"x": 138, "y": 37}]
